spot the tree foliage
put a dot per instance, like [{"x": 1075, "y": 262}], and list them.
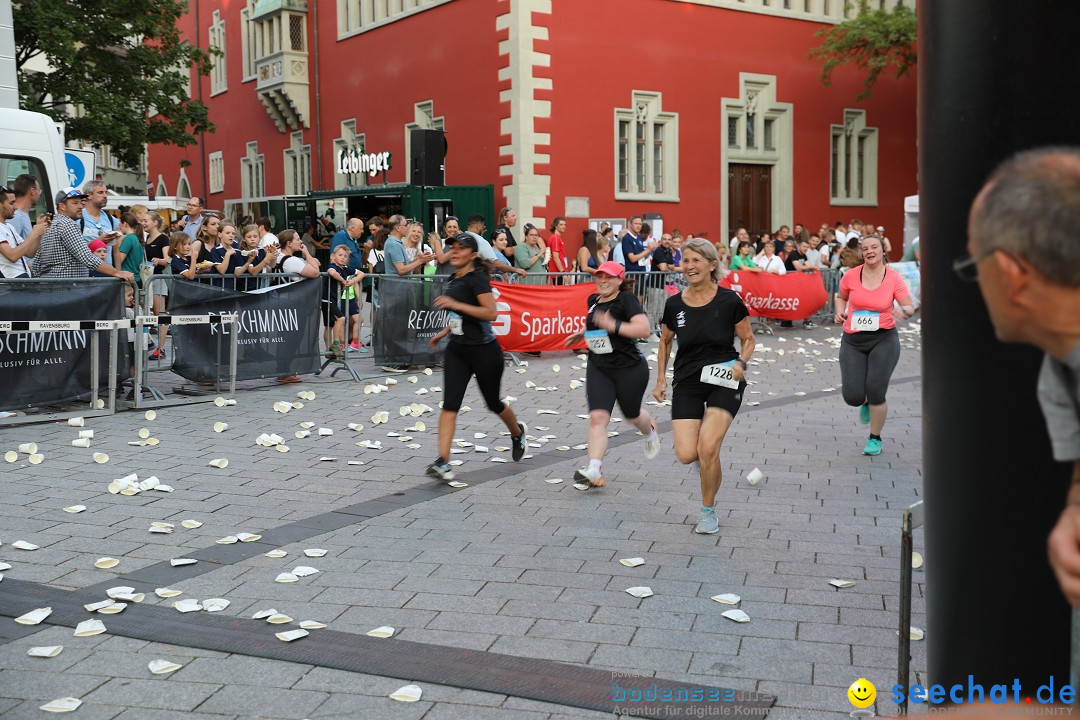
[
  {"x": 872, "y": 41},
  {"x": 111, "y": 64}
]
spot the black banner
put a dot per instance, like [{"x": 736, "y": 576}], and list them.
[
  {"x": 405, "y": 320},
  {"x": 278, "y": 330},
  {"x": 49, "y": 368}
]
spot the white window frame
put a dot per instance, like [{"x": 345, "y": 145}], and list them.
[
  {"x": 360, "y": 16},
  {"x": 253, "y": 172},
  {"x": 219, "y": 78},
  {"x": 248, "y": 42},
  {"x": 646, "y": 109},
  {"x": 845, "y": 165},
  {"x": 349, "y": 140},
  {"x": 758, "y": 93},
  {"x": 216, "y": 164},
  {"x": 297, "y": 165}
]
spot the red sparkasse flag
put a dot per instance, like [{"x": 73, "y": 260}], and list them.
[
  {"x": 795, "y": 296},
  {"x": 532, "y": 318}
]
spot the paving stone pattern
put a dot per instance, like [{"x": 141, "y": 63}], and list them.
[{"x": 512, "y": 565}]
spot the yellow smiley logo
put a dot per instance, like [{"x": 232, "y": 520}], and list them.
[{"x": 862, "y": 693}]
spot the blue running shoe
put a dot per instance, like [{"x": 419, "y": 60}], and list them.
[
  {"x": 864, "y": 414},
  {"x": 873, "y": 447}
]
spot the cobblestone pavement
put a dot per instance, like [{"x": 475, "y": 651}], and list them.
[{"x": 514, "y": 565}]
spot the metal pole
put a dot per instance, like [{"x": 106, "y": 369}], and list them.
[
  {"x": 903, "y": 660},
  {"x": 95, "y": 368},
  {"x": 978, "y": 105}
]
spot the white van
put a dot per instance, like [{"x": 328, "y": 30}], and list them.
[{"x": 32, "y": 143}]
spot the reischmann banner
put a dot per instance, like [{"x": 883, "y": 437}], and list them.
[{"x": 278, "y": 330}]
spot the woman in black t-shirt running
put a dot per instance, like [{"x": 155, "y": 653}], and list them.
[
  {"x": 710, "y": 375},
  {"x": 472, "y": 350},
  {"x": 616, "y": 369}
]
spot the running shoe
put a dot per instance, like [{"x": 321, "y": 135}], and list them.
[
  {"x": 652, "y": 445},
  {"x": 873, "y": 447},
  {"x": 864, "y": 414},
  {"x": 590, "y": 476},
  {"x": 158, "y": 354},
  {"x": 518, "y": 442},
  {"x": 707, "y": 524},
  {"x": 809, "y": 324},
  {"x": 440, "y": 471},
  {"x": 354, "y": 345},
  {"x": 362, "y": 348}
]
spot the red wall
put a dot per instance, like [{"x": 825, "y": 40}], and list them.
[
  {"x": 376, "y": 78},
  {"x": 595, "y": 72},
  {"x": 690, "y": 53}
]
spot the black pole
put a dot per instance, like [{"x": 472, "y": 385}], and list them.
[{"x": 991, "y": 76}]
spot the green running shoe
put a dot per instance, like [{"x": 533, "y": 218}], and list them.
[
  {"x": 873, "y": 447},
  {"x": 864, "y": 414}
]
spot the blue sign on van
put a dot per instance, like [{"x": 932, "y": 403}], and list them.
[{"x": 80, "y": 166}]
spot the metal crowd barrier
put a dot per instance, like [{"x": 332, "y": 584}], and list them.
[
  {"x": 98, "y": 406},
  {"x": 158, "y": 398},
  {"x": 145, "y": 365},
  {"x": 912, "y": 518}
]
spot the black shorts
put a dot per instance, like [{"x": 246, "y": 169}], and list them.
[
  {"x": 690, "y": 398},
  {"x": 330, "y": 313}
]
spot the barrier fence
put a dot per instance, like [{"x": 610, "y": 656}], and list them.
[
  {"x": 224, "y": 334},
  {"x": 51, "y": 351}
]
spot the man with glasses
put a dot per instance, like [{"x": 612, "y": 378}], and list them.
[
  {"x": 63, "y": 252},
  {"x": 191, "y": 222},
  {"x": 1028, "y": 269}
]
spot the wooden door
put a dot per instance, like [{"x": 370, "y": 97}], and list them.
[{"x": 750, "y": 198}]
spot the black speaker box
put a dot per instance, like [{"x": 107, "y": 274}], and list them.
[{"x": 428, "y": 150}]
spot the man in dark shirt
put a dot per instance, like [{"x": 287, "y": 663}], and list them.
[
  {"x": 796, "y": 262},
  {"x": 663, "y": 264}
]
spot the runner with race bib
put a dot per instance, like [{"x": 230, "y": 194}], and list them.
[
  {"x": 472, "y": 350},
  {"x": 870, "y": 347},
  {"x": 616, "y": 370},
  {"x": 710, "y": 374}
]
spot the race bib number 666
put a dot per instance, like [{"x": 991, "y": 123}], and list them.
[{"x": 865, "y": 321}]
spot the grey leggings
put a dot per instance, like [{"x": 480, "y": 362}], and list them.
[{"x": 867, "y": 361}]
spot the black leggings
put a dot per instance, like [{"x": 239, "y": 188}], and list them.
[
  {"x": 461, "y": 363},
  {"x": 867, "y": 361},
  {"x": 627, "y": 385}
]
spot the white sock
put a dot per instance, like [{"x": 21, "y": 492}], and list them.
[{"x": 594, "y": 463}]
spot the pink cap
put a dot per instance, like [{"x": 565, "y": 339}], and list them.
[
  {"x": 611, "y": 268},
  {"x": 97, "y": 245}
]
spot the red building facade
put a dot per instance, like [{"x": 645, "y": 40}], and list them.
[{"x": 707, "y": 113}]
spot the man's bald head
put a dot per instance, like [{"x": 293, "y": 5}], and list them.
[
  {"x": 1030, "y": 208},
  {"x": 355, "y": 227}
]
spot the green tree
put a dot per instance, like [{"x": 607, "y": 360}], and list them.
[
  {"x": 111, "y": 64},
  {"x": 872, "y": 40}
]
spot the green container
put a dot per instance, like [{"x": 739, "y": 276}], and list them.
[{"x": 430, "y": 205}]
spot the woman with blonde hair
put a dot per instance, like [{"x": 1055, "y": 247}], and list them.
[{"x": 710, "y": 374}]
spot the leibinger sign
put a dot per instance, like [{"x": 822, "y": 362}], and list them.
[{"x": 350, "y": 161}]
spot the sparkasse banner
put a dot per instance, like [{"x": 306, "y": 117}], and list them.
[
  {"x": 795, "y": 296},
  {"x": 534, "y": 318}
]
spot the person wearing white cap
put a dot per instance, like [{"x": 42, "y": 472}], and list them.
[
  {"x": 63, "y": 252},
  {"x": 616, "y": 370}
]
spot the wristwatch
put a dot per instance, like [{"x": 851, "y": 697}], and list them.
[{"x": 741, "y": 362}]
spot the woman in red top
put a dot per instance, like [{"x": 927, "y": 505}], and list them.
[
  {"x": 871, "y": 347},
  {"x": 555, "y": 245}
]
